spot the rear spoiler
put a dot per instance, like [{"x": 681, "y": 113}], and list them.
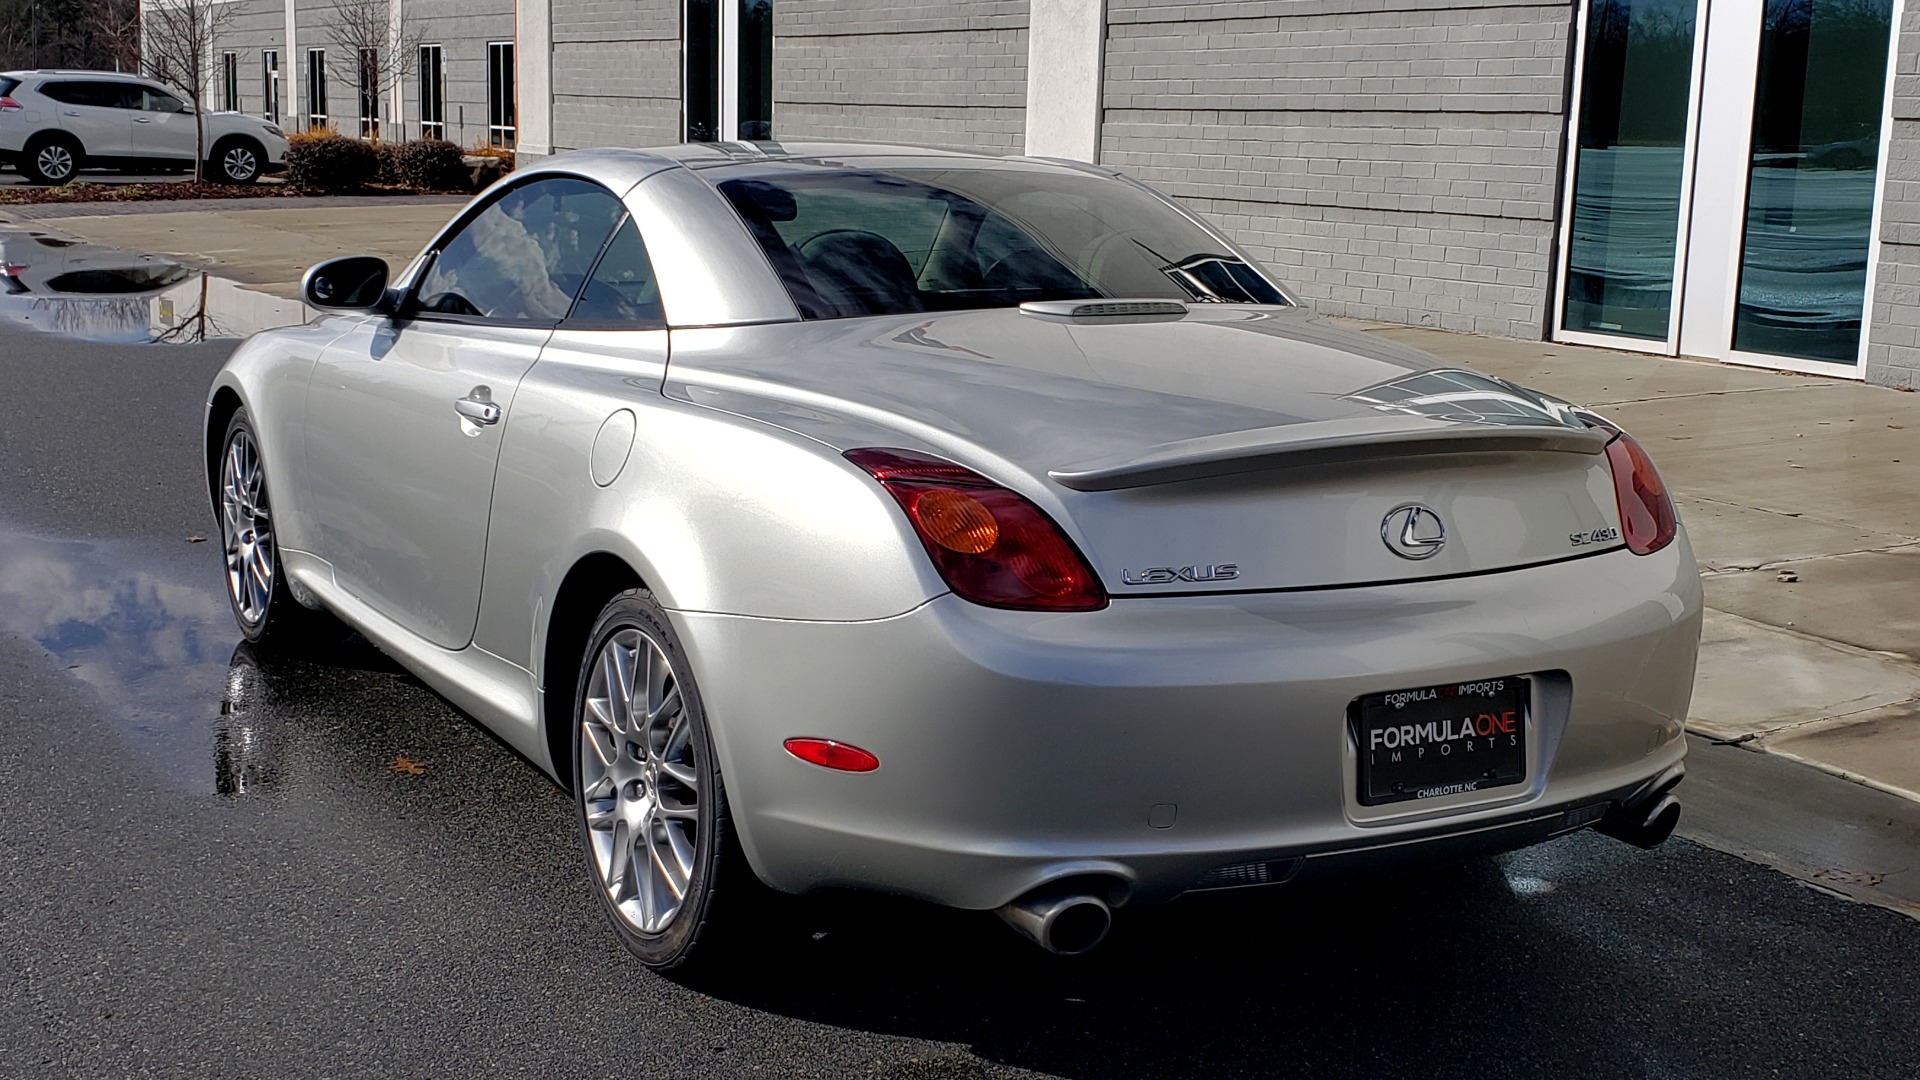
[{"x": 1321, "y": 442}]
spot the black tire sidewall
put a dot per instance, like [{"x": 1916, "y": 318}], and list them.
[
  {"x": 674, "y": 947},
  {"x": 217, "y": 166},
  {"x": 285, "y": 619},
  {"x": 30, "y": 161}
]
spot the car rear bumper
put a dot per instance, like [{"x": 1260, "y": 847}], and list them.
[{"x": 1157, "y": 741}]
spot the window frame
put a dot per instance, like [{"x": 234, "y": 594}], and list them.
[
  {"x": 432, "y": 77},
  {"x": 503, "y": 111},
  {"x": 270, "y": 85},
  {"x": 317, "y": 113},
  {"x": 230, "y": 81},
  {"x": 408, "y": 307},
  {"x": 367, "y": 92}
]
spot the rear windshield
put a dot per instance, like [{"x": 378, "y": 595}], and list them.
[
  {"x": 890, "y": 241},
  {"x": 7, "y": 85}
]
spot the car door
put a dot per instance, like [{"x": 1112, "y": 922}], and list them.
[
  {"x": 93, "y": 112},
  {"x": 164, "y": 127},
  {"x": 405, "y": 416}
]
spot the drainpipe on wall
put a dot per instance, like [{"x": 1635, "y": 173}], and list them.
[{"x": 1066, "y": 66}]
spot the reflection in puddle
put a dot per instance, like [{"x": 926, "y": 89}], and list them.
[
  {"x": 152, "y": 636},
  {"x": 80, "y": 290}
]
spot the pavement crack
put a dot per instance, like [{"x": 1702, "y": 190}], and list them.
[{"x": 1714, "y": 393}]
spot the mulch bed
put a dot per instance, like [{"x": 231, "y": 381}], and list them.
[{"x": 83, "y": 192}]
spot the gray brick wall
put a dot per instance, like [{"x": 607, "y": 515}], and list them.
[
  {"x": 1390, "y": 159},
  {"x": 254, "y": 27},
  {"x": 946, "y": 73},
  {"x": 616, "y": 73},
  {"x": 1893, "y": 337},
  {"x": 462, "y": 29}
]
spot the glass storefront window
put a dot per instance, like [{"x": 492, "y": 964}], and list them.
[
  {"x": 1629, "y": 169},
  {"x": 1810, "y": 178}
]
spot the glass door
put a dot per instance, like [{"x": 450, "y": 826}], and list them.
[
  {"x": 1631, "y": 158},
  {"x": 1811, "y": 184}
]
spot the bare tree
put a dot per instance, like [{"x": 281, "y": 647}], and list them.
[
  {"x": 115, "y": 26},
  {"x": 178, "y": 49},
  {"x": 378, "y": 48}
]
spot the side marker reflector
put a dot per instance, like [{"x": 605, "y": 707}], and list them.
[{"x": 829, "y": 754}]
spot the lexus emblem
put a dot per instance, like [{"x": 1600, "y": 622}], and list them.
[{"x": 1413, "y": 531}]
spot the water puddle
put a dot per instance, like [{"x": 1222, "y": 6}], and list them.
[
  {"x": 148, "y": 630},
  {"x": 60, "y": 285}
]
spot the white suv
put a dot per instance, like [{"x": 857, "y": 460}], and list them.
[{"x": 54, "y": 123}]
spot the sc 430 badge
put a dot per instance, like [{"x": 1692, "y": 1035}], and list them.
[
  {"x": 1167, "y": 575},
  {"x": 1595, "y": 536}
]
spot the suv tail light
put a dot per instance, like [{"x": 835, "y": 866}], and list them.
[
  {"x": 1647, "y": 516},
  {"x": 7, "y": 104},
  {"x": 991, "y": 545}
]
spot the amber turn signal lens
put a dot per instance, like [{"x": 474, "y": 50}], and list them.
[{"x": 956, "y": 521}]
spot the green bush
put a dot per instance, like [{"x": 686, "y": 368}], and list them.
[
  {"x": 430, "y": 165},
  {"x": 331, "y": 164}
]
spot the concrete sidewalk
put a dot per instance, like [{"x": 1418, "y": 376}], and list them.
[{"x": 1801, "y": 494}]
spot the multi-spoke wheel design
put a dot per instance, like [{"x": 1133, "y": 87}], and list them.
[
  {"x": 659, "y": 847},
  {"x": 238, "y": 163},
  {"x": 640, "y": 782},
  {"x": 246, "y": 524},
  {"x": 53, "y": 161}
]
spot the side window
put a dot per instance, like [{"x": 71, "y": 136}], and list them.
[
  {"x": 526, "y": 256},
  {"x": 622, "y": 293},
  {"x": 148, "y": 100}
]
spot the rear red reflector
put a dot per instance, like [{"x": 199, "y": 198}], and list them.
[
  {"x": 1647, "y": 517},
  {"x": 990, "y": 544},
  {"x": 829, "y": 754},
  {"x": 7, "y": 104}
]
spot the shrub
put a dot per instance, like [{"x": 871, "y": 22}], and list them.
[
  {"x": 429, "y": 165},
  {"x": 331, "y": 164},
  {"x": 386, "y": 156}
]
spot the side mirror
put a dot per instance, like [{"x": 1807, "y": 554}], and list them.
[{"x": 357, "y": 283}]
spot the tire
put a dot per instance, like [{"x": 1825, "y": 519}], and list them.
[
  {"x": 236, "y": 161},
  {"x": 52, "y": 160},
  {"x": 257, "y": 587},
  {"x": 641, "y": 768}
]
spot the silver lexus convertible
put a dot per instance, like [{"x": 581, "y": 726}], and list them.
[{"x": 989, "y": 531}]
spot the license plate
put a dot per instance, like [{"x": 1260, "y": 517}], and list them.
[{"x": 1442, "y": 740}]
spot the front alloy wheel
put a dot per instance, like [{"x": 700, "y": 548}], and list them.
[
  {"x": 652, "y": 811},
  {"x": 239, "y": 165},
  {"x": 262, "y": 602}
]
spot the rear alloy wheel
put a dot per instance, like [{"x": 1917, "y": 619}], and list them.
[
  {"x": 53, "y": 161},
  {"x": 257, "y": 588},
  {"x": 652, "y": 812},
  {"x": 236, "y": 162}
]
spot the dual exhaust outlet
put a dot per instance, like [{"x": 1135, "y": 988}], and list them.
[{"x": 1067, "y": 920}]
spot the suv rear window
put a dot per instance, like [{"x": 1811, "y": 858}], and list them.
[
  {"x": 7, "y": 85},
  {"x": 942, "y": 237}
]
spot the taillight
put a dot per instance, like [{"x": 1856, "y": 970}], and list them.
[
  {"x": 1646, "y": 508},
  {"x": 7, "y": 104},
  {"x": 991, "y": 545}
]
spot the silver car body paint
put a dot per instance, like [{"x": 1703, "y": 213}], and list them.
[{"x": 1017, "y": 747}]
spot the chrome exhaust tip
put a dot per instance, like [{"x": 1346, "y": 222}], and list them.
[
  {"x": 1646, "y": 824},
  {"x": 1064, "y": 923}
]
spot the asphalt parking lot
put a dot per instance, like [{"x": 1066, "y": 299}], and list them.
[{"x": 217, "y": 863}]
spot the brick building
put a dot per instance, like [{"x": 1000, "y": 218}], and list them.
[{"x": 1738, "y": 180}]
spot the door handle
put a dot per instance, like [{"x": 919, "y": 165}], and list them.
[
  {"x": 70, "y": 112},
  {"x": 478, "y": 406},
  {"x": 141, "y": 120}
]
